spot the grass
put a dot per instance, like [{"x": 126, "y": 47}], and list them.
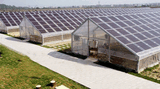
[
  {"x": 19, "y": 72},
  {"x": 149, "y": 74}
]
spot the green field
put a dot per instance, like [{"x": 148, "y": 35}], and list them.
[{"x": 19, "y": 72}]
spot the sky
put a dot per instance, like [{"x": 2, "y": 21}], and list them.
[{"x": 56, "y": 3}]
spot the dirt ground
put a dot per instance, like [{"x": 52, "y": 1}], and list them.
[
  {"x": 16, "y": 34},
  {"x": 59, "y": 43},
  {"x": 155, "y": 73}
]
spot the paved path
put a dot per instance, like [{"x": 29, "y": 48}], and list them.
[{"x": 82, "y": 71}]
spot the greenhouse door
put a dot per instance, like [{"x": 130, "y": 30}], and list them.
[
  {"x": 103, "y": 50},
  {"x": 85, "y": 50},
  {"x": 80, "y": 45},
  {"x": 93, "y": 48},
  {"x": 27, "y": 34}
]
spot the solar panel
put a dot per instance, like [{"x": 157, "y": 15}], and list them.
[
  {"x": 121, "y": 18},
  {"x": 42, "y": 31},
  {"x": 121, "y": 24},
  {"x": 143, "y": 45},
  {"x": 7, "y": 24},
  {"x": 134, "y": 47},
  {"x": 64, "y": 28},
  {"x": 137, "y": 28},
  {"x": 123, "y": 40},
  {"x": 136, "y": 22},
  {"x": 104, "y": 26},
  {"x": 50, "y": 30},
  {"x": 113, "y": 18},
  {"x": 157, "y": 25},
  {"x": 132, "y": 38},
  {"x": 46, "y": 26},
  {"x": 113, "y": 25},
  {"x": 57, "y": 29},
  {"x": 154, "y": 33},
  {"x": 149, "y": 42},
  {"x": 145, "y": 27},
  {"x": 147, "y": 34},
  {"x": 122, "y": 31},
  {"x": 128, "y": 17},
  {"x": 38, "y": 27},
  {"x": 114, "y": 33},
  {"x": 156, "y": 40},
  {"x": 134, "y": 16},
  {"x": 131, "y": 30},
  {"x": 71, "y": 28}
]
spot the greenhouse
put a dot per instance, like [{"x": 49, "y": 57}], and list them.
[
  {"x": 131, "y": 41},
  {"x": 40, "y": 28},
  {"x": 9, "y": 22}
]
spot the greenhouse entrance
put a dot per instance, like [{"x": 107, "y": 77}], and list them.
[
  {"x": 93, "y": 47},
  {"x": 93, "y": 42},
  {"x": 99, "y": 49}
]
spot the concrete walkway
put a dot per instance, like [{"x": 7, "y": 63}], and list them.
[{"x": 82, "y": 71}]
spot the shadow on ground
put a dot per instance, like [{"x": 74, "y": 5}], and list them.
[
  {"x": 86, "y": 62},
  {"x": 69, "y": 58},
  {"x": 113, "y": 66},
  {"x": 13, "y": 39},
  {"x": 19, "y": 39}
]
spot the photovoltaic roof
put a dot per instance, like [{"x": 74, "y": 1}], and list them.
[
  {"x": 66, "y": 20},
  {"x": 15, "y": 18},
  {"x": 11, "y": 18},
  {"x": 139, "y": 33}
]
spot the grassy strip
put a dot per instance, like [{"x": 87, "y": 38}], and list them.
[
  {"x": 152, "y": 68},
  {"x": 146, "y": 77},
  {"x": 19, "y": 72}
]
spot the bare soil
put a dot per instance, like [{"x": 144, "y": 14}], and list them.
[
  {"x": 16, "y": 34},
  {"x": 60, "y": 43},
  {"x": 155, "y": 73}
]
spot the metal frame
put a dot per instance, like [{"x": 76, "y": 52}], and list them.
[
  {"x": 88, "y": 40},
  {"x": 25, "y": 18},
  {"x": 74, "y": 32}
]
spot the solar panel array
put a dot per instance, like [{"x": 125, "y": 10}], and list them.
[
  {"x": 14, "y": 18},
  {"x": 138, "y": 32},
  {"x": 58, "y": 21},
  {"x": 11, "y": 19}
]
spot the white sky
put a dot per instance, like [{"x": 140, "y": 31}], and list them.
[{"x": 43, "y": 3}]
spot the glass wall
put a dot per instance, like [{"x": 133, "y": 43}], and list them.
[
  {"x": 2, "y": 27},
  {"x": 85, "y": 40}
]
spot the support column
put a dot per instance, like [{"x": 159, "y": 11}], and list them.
[
  {"x": 109, "y": 49},
  {"x": 88, "y": 38}
]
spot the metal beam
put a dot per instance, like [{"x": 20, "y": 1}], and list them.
[{"x": 88, "y": 39}]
